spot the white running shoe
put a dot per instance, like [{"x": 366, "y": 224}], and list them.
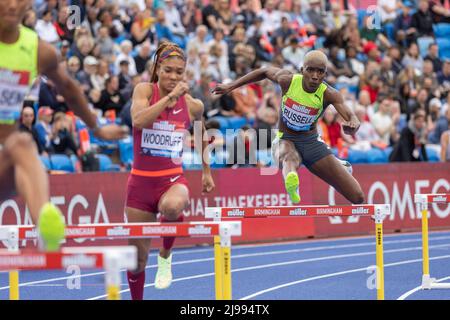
[{"x": 163, "y": 277}]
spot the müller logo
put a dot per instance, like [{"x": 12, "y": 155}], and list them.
[
  {"x": 267, "y": 212},
  {"x": 118, "y": 231},
  {"x": 235, "y": 213},
  {"x": 440, "y": 199},
  {"x": 81, "y": 260},
  {"x": 360, "y": 210},
  {"x": 298, "y": 212},
  {"x": 199, "y": 230},
  {"x": 31, "y": 233}
]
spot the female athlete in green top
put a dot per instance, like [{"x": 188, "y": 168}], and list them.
[
  {"x": 305, "y": 97},
  {"x": 22, "y": 57}
]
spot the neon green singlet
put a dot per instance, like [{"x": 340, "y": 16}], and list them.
[
  {"x": 18, "y": 70},
  {"x": 300, "y": 110}
]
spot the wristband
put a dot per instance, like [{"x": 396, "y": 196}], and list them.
[{"x": 171, "y": 97}]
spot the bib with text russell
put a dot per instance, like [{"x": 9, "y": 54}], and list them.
[
  {"x": 164, "y": 139},
  {"x": 298, "y": 117},
  {"x": 14, "y": 86}
]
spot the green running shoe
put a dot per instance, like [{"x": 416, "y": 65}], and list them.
[
  {"x": 164, "y": 274},
  {"x": 291, "y": 183},
  {"x": 51, "y": 227}
]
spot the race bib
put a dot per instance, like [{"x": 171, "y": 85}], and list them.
[
  {"x": 164, "y": 139},
  {"x": 14, "y": 86},
  {"x": 298, "y": 117}
]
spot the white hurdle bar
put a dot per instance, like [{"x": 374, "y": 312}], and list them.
[
  {"x": 423, "y": 200},
  {"x": 11, "y": 235},
  {"x": 111, "y": 259},
  {"x": 377, "y": 211}
]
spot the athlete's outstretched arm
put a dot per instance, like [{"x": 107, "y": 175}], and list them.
[
  {"x": 280, "y": 76},
  {"x": 48, "y": 62},
  {"x": 351, "y": 122},
  {"x": 141, "y": 114}
]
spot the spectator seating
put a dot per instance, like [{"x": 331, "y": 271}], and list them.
[
  {"x": 441, "y": 30},
  {"x": 357, "y": 156},
  {"x": 265, "y": 157},
  {"x": 388, "y": 152},
  {"x": 376, "y": 155},
  {"x": 106, "y": 163},
  {"x": 444, "y": 47},
  {"x": 126, "y": 151},
  {"x": 423, "y": 43},
  {"x": 234, "y": 123},
  {"x": 433, "y": 155}
]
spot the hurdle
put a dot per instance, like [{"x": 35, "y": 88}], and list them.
[
  {"x": 111, "y": 259},
  {"x": 377, "y": 211},
  {"x": 13, "y": 234},
  {"x": 423, "y": 200}
]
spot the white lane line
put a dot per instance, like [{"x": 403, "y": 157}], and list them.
[
  {"x": 410, "y": 292},
  {"x": 264, "y": 266},
  {"x": 241, "y": 256},
  {"x": 329, "y": 275}
]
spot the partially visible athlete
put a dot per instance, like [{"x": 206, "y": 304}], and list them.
[{"x": 305, "y": 98}]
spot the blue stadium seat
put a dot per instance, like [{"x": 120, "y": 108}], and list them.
[
  {"x": 441, "y": 30},
  {"x": 237, "y": 122},
  {"x": 46, "y": 162},
  {"x": 265, "y": 157},
  {"x": 106, "y": 163},
  {"x": 357, "y": 156},
  {"x": 191, "y": 160},
  {"x": 444, "y": 47},
  {"x": 376, "y": 155},
  {"x": 126, "y": 151},
  {"x": 387, "y": 152},
  {"x": 444, "y": 54},
  {"x": 433, "y": 155},
  {"x": 218, "y": 159},
  {"x": 61, "y": 162},
  {"x": 361, "y": 14},
  {"x": 339, "y": 85},
  {"x": 79, "y": 124},
  {"x": 353, "y": 90},
  {"x": 223, "y": 122},
  {"x": 318, "y": 44},
  {"x": 423, "y": 43}
]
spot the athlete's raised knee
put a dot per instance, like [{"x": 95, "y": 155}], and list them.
[{"x": 173, "y": 207}]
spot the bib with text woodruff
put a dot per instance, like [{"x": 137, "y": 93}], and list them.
[{"x": 163, "y": 139}]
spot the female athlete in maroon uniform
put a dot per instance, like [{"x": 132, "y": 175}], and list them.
[{"x": 162, "y": 111}]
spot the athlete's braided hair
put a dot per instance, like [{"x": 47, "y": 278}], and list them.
[{"x": 165, "y": 50}]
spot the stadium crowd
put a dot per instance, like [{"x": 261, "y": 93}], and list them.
[{"x": 392, "y": 65}]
